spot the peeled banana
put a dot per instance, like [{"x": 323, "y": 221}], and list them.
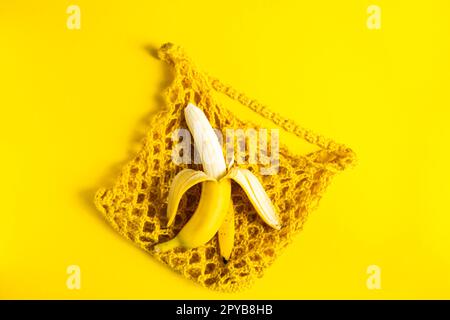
[{"x": 215, "y": 212}]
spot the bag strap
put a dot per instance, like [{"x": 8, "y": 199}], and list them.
[
  {"x": 342, "y": 156},
  {"x": 345, "y": 155}
]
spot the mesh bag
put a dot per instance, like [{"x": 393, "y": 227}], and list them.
[{"x": 136, "y": 203}]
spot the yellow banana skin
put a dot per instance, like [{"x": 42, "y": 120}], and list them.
[
  {"x": 226, "y": 235},
  {"x": 212, "y": 209}
]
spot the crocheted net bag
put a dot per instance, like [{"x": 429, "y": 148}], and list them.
[{"x": 136, "y": 203}]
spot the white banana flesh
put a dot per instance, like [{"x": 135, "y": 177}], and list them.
[{"x": 206, "y": 142}]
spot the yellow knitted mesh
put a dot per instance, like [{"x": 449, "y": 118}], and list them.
[{"x": 136, "y": 204}]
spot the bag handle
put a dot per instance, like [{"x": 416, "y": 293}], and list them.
[
  {"x": 343, "y": 156},
  {"x": 346, "y": 155}
]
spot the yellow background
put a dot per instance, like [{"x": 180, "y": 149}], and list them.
[{"x": 71, "y": 101}]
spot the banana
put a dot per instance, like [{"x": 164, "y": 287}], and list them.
[
  {"x": 226, "y": 235},
  {"x": 215, "y": 212},
  {"x": 180, "y": 184},
  {"x": 257, "y": 195},
  {"x": 207, "y": 219}
]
